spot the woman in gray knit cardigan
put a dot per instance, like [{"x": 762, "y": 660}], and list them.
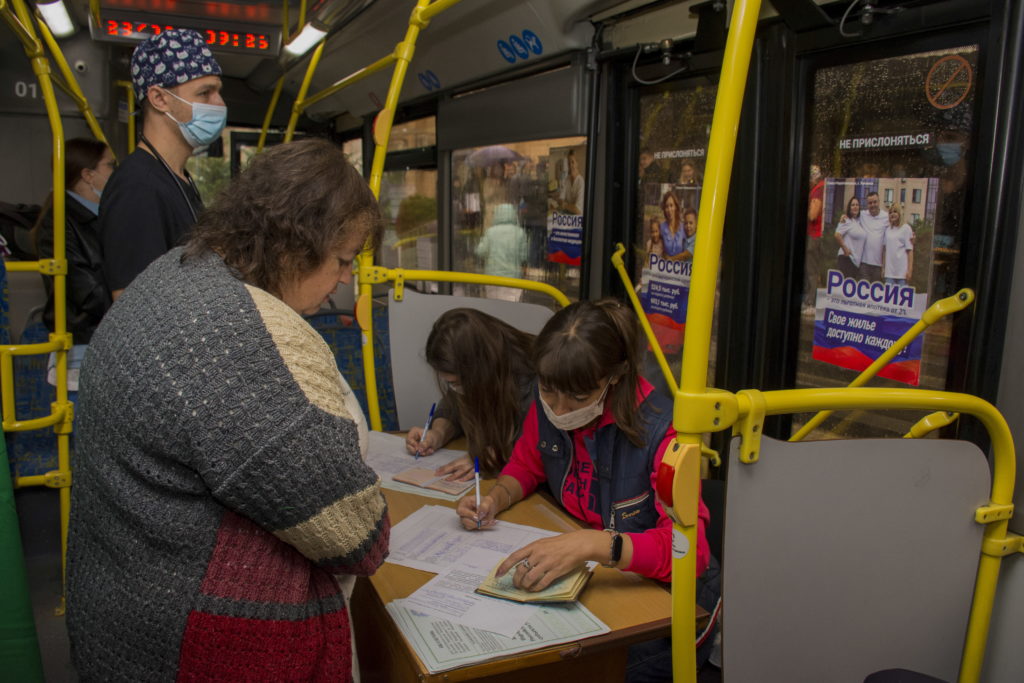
[{"x": 221, "y": 506}]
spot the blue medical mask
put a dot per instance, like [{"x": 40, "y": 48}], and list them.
[
  {"x": 949, "y": 152},
  {"x": 206, "y": 125}
]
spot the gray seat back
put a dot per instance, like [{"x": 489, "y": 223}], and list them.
[
  {"x": 847, "y": 557},
  {"x": 409, "y": 324}
]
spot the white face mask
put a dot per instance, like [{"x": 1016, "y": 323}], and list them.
[{"x": 580, "y": 417}]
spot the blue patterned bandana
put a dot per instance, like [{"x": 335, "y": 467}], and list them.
[{"x": 171, "y": 58}]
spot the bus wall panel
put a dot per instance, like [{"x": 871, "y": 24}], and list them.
[{"x": 467, "y": 43}]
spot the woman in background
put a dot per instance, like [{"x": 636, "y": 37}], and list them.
[
  {"x": 88, "y": 164},
  {"x": 487, "y": 384}
]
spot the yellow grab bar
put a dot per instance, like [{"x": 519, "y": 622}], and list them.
[{"x": 935, "y": 312}]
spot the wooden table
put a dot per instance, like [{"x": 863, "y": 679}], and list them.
[{"x": 634, "y": 608}]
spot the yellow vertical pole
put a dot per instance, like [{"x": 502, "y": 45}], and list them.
[
  {"x": 381, "y": 134},
  {"x": 700, "y": 312},
  {"x": 300, "y": 103},
  {"x": 270, "y": 113},
  {"x": 41, "y": 68},
  {"x": 131, "y": 112},
  {"x": 69, "y": 77}
]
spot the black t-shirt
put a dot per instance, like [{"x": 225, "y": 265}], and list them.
[{"x": 143, "y": 215}]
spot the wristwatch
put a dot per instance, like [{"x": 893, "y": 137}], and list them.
[{"x": 616, "y": 550}]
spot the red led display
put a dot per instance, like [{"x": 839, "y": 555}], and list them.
[
  {"x": 249, "y": 41},
  {"x": 119, "y": 26}
]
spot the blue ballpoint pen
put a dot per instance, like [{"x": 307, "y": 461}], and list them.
[
  {"x": 426, "y": 427},
  {"x": 476, "y": 476}
]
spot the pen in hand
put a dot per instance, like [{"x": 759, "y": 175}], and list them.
[
  {"x": 426, "y": 428},
  {"x": 476, "y": 476}
]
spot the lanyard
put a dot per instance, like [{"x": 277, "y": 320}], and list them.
[{"x": 177, "y": 180}]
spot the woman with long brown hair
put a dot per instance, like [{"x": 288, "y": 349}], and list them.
[{"x": 487, "y": 384}]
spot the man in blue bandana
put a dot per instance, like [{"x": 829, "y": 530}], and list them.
[{"x": 151, "y": 203}]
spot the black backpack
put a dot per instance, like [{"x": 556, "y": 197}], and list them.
[{"x": 16, "y": 221}]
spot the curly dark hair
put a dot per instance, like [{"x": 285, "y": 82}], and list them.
[{"x": 279, "y": 220}]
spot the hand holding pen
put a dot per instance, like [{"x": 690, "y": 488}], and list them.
[{"x": 422, "y": 441}]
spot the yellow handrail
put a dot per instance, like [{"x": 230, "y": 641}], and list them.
[
  {"x": 620, "y": 267},
  {"x": 60, "y": 340},
  {"x": 314, "y": 61},
  {"x": 270, "y": 113},
  {"x": 74, "y": 91},
  {"x": 935, "y": 312},
  {"x": 683, "y": 459},
  {"x": 1003, "y": 477},
  {"x": 127, "y": 85}
]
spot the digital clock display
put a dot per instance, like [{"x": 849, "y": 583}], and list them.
[{"x": 134, "y": 27}]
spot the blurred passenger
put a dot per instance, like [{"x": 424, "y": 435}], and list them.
[
  {"x": 222, "y": 507},
  {"x": 487, "y": 384},
  {"x": 503, "y": 249},
  {"x": 812, "y": 261},
  {"x": 688, "y": 174},
  {"x": 851, "y": 236},
  {"x": 88, "y": 164},
  {"x": 152, "y": 203}
]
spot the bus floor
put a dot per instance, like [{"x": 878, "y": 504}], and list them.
[{"x": 40, "y": 539}]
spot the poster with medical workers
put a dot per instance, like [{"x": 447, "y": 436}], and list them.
[
  {"x": 566, "y": 193},
  {"x": 670, "y": 236},
  {"x": 875, "y": 277}
]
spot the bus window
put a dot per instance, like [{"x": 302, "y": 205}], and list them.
[
  {"x": 675, "y": 123},
  {"x": 415, "y": 134},
  {"x": 408, "y": 203},
  {"x": 517, "y": 211},
  {"x": 889, "y": 159},
  {"x": 408, "y": 199}
]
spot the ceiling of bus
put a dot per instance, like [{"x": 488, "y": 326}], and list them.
[{"x": 471, "y": 41}]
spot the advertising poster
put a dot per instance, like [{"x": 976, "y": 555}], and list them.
[
  {"x": 566, "y": 194},
  {"x": 670, "y": 235},
  {"x": 875, "y": 278}
]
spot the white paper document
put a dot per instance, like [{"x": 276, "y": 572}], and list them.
[
  {"x": 450, "y": 595},
  {"x": 387, "y": 456},
  {"x": 442, "y": 644},
  {"x": 432, "y": 539}
]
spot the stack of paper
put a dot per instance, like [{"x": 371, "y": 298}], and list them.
[{"x": 450, "y": 625}]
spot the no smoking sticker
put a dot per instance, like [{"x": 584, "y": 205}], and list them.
[{"x": 948, "y": 82}]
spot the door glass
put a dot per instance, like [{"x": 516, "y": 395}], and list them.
[
  {"x": 408, "y": 203},
  {"x": 675, "y": 124},
  {"x": 517, "y": 211},
  {"x": 889, "y": 168}
]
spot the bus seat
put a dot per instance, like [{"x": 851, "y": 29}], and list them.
[
  {"x": 32, "y": 452},
  {"x": 410, "y": 321},
  {"x": 850, "y": 557},
  {"x": 343, "y": 335}
]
